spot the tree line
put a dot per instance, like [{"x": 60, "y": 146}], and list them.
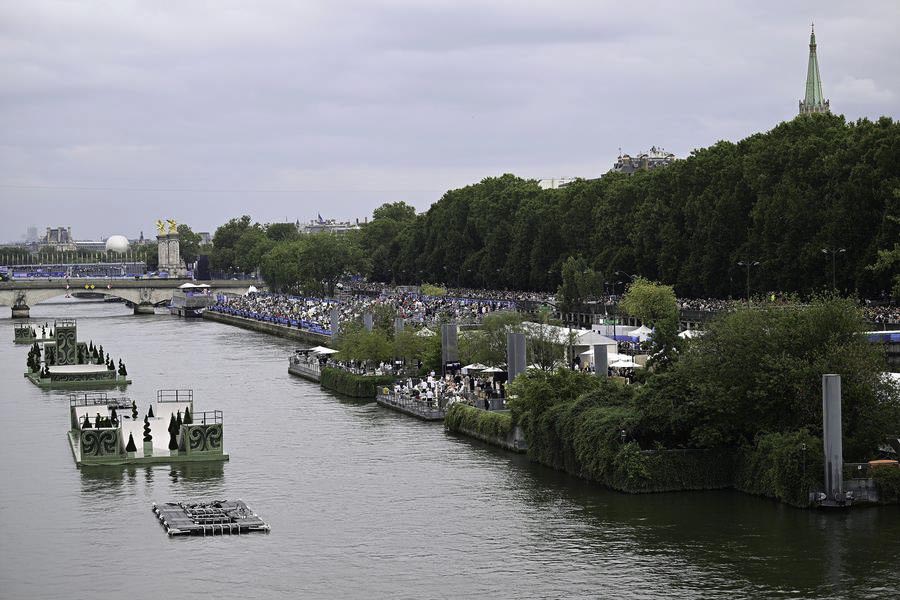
[{"x": 810, "y": 204}]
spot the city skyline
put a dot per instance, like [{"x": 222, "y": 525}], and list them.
[{"x": 288, "y": 112}]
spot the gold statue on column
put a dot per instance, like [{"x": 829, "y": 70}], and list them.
[
  {"x": 160, "y": 227},
  {"x": 173, "y": 226}
]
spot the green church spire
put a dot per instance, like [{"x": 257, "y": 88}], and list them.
[{"x": 815, "y": 101}]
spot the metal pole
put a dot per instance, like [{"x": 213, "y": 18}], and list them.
[{"x": 833, "y": 262}]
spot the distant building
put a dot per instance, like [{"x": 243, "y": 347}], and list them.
[
  {"x": 646, "y": 161},
  {"x": 330, "y": 225},
  {"x": 59, "y": 238},
  {"x": 90, "y": 245},
  {"x": 814, "y": 101},
  {"x": 555, "y": 184},
  {"x": 31, "y": 237},
  {"x": 205, "y": 237}
]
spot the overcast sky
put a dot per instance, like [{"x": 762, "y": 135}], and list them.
[{"x": 116, "y": 113}]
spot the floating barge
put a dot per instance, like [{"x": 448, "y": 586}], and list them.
[
  {"x": 105, "y": 432},
  {"x": 64, "y": 362},
  {"x": 191, "y": 300},
  {"x": 209, "y": 518},
  {"x": 408, "y": 406}
]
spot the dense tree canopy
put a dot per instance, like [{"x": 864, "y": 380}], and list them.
[
  {"x": 811, "y": 195},
  {"x": 778, "y": 198}
]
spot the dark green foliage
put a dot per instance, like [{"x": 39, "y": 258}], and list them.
[
  {"x": 98, "y": 422},
  {"x": 134, "y": 411},
  {"x": 178, "y": 421},
  {"x": 314, "y": 262},
  {"x": 357, "y": 386},
  {"x": 188, "y": 419},
  {"x": 122, "y": 370},
  {"x": 777, "y": 466},
  {"x": 887, "y": 481},
  {"x": 86, "y": 424},
  {"x": 147, "y": 436},
  {"x": 484, "y": 423},
  {"x": 739, "y": 407},
  {"x": 760, "y": 370},
  {"x": 150, "y": 411},
  {"x": 114, "y": 417},
  {"x": 130, "y": 447},
  {"x": 173, "y": 433}
]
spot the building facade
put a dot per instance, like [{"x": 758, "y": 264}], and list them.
[{"x": 646, "y": 161}]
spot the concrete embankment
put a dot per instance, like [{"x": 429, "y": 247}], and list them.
[
  {"x": 514, "y": 441},
  {"x": 291, "y": 333}
]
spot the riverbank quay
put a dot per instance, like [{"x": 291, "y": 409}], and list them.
[
  {"x": 410, "y": 406},
  {"x": 271, "y": 328},
  {"x": 307, "y": 369},
  {"x": 492, "y": 427}
]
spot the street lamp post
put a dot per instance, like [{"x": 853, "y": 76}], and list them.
[
  {"x": 748, "y": 263},
  {"x": 834, "y": 252}
]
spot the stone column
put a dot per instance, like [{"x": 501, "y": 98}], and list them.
[{"x": 368, "y": 321}]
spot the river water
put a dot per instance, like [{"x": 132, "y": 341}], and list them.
[{"x": 367, "y": 503}]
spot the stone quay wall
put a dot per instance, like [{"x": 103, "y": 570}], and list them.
[{"x": 291, "y": 333}]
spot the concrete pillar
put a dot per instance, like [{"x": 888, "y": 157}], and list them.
[
  {"x": 601, "y": 360},
  {"x": 515, "y": 355},
  {"x": 335, "y": 323},
  {"x": 398, "y": 324},
  {"x": 832, "y": 435},
  {"x": 368, "y": 321},
  {"x": 21, "y": 311},
  {"x": 144, "y": 308},
  {"x": 449, "y": 343}
]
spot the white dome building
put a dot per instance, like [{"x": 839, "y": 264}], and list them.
[{"x": 117, "y": 243}]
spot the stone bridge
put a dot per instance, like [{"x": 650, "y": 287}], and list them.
[{"x": 144, "y": 294}]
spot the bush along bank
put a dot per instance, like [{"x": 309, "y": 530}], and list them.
[
  {"x": 350, "y": 384},
  {"x": 598, "y": 435},
  {"x": 738, "y": 408},
  {"x": 493, "y": 427}
]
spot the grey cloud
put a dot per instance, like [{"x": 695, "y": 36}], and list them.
[{"x": 354, "y": 103}]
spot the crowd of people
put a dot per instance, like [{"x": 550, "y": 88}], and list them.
[
  {"x": 460, "y": 305},
  {"x": 436, "y": 392},
  {"x": 883, "y": 315},
  {"x": 314, "y": 314}
]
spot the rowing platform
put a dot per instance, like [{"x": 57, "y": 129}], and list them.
[{"x": 209, "y": 518}]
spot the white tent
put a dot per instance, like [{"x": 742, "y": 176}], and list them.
[
  {"x": 187, "y": 285},
  {"x": 251, "y": 290},
  {"x": 322, "y": 350},
  {"x": 642, "y": 333},
  {"x": 473, "y": 367},
  {"x": 425, "y": 332},
  {"x": 624, "y": 363},
  {"x": 493, "y": 370}
]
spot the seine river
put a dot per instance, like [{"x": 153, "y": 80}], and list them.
[{"x": 366, "y": 503}]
